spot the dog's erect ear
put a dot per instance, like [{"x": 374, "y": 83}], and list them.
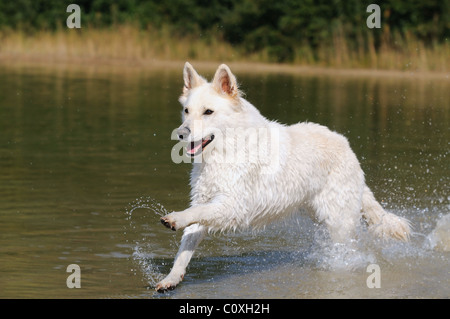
[
  {"x": 225, "y": 82},
  {"x": 191, "y": 78}
]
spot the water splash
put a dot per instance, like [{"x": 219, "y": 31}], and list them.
[
  {"x": 146, "y": 202},
  {"x": 145, "y": 261},
  {"x": 439, "y": 238},
  {"x": 349, "y": 256},
  {"x": 141, "y": 233},
  {"x": 368, "y": 249},
  {"x": 318, "y": 252}
]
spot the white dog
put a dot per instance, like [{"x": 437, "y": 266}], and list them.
[{"x": 281, "y": 169}]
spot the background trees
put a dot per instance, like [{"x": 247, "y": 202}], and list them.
[{"x": 282, "y": 30}]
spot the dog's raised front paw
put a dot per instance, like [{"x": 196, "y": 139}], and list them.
[{"x": 169, "y": 222}]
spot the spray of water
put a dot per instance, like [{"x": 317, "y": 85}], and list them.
[
  {"x": 146, "y": 202},
  {"x": 439, "y": 238},
  {"x": 318, "y": 252},
  {"x": 138, "y": 214}
]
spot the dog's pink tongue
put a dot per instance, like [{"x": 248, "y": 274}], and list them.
[{"x": 193, "y": 148}]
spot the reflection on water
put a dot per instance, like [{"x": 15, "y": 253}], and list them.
[{"x": 86, "y": 173}]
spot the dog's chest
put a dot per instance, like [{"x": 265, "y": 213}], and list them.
[{"x": 213, "y": 181}]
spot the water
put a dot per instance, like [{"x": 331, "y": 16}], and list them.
[{"x": 86, "y": 173}]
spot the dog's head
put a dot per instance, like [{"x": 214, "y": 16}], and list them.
[{"x": 208, "y": 108}]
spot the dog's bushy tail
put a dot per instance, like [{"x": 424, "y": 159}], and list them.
[{"x": 383, "y": 224}]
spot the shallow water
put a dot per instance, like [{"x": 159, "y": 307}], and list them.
[{"x": 86, "y": 172}]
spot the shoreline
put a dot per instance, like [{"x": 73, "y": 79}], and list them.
[{"x": 124, "y": 64}]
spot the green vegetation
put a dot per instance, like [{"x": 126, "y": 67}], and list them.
[{"x": 414, "y": 34}]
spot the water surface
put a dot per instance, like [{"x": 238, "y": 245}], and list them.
[{"x": 86, "y": 172}]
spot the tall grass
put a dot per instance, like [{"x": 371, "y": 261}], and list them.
[
  {"x": 395, "y": 52},
  {"x": 119, "y": 43},
  {"x": 131, "y": 44}
]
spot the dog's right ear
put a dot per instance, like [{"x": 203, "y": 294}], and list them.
[{"x": 191, "y": 78}]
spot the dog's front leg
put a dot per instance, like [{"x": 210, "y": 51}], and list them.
[
  {"x": 203, "y": 213},
  {"x": 192, "y": 236}
]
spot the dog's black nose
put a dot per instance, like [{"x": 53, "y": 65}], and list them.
[{"x": 183, "y": 132}]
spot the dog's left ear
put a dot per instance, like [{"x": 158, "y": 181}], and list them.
[{"x": 225, "y": 82}]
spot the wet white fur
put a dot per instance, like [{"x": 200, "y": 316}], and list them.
[{"x": 315, "y": 170}]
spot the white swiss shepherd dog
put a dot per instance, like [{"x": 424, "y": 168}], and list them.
[{"x": 281, "y": 170}]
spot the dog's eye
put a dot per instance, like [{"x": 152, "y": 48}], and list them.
[
  {"x": 186, "y": 111},
  {"x": 208, "y": 112}
]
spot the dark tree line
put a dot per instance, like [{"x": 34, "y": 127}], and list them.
[{"x": 254, "y": 25}]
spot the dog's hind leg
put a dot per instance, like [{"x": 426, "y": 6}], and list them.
[
  {"x": 341, "y": 220},
  {"x": 338, "y": 205},
  {"x": 192, "y": 237}
]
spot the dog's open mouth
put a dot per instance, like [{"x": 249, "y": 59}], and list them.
[{"x": 195, "y": 148}]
